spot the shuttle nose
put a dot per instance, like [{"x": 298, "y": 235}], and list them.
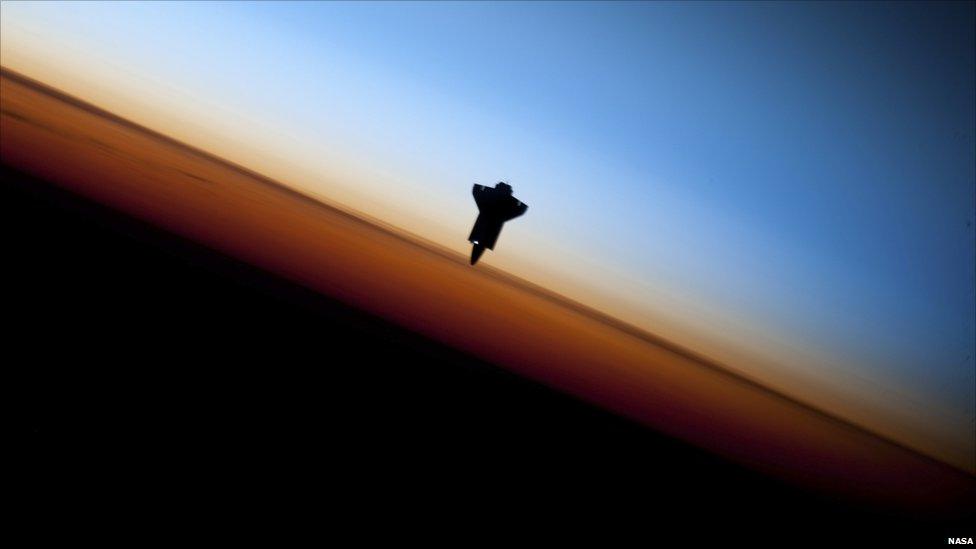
[{"x": 476, "y": 252}]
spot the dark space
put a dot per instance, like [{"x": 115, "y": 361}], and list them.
[{"x": 153, "y": 369}]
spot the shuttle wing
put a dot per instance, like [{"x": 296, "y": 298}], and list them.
[
  {"x": 518, "y": 208},
  {"x": 479, "y": 192}
]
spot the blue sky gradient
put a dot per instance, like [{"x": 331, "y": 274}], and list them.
[{"x": 786, "y": 186}]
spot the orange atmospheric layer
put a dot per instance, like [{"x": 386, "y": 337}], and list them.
[{"x": 483, "y": 311}]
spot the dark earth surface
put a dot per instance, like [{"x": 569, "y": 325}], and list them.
[{"x": 149, "y": 368}]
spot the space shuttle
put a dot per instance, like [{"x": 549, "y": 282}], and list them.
[{"x": 495, "y": 207}]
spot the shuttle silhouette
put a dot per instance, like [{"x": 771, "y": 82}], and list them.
[{"x": 495, "y": 207}]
